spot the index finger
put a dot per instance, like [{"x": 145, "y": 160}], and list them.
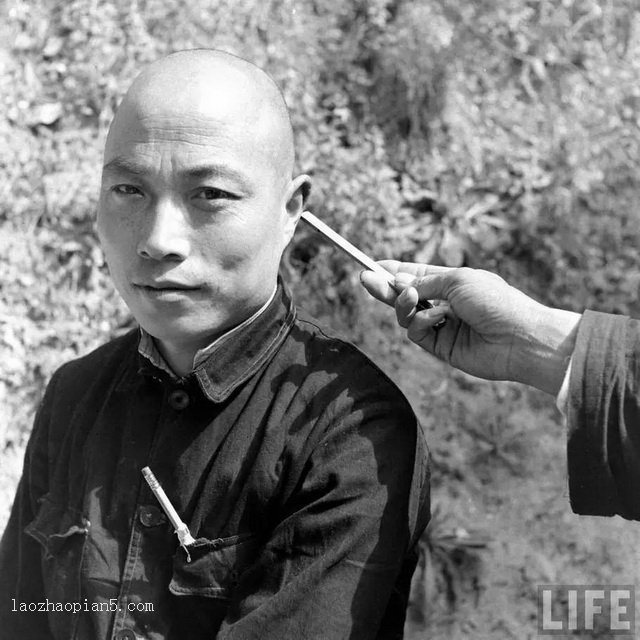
[
  {"x": 417, "y": 269},
  {"x": 395, "y": 266}
]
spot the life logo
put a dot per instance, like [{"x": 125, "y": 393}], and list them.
[{"x": 603, "y": 609}]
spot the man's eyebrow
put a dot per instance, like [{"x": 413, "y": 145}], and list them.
[
  {"x": 217, "y": 171},
  {"x": 125, "y": 166},
  {"x": 198, "y": 172}
]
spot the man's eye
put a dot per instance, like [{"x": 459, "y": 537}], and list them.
[
  {"x": 211, "y": 193},
  {"x": 126, "y": 190}
]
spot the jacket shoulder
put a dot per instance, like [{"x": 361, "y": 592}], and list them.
[{"x": 329, "y": 351}]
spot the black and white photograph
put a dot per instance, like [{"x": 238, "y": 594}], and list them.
[{"x": 319, "y": 319}]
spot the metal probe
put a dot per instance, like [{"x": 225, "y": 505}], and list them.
[{"x": 362, "y": 258}]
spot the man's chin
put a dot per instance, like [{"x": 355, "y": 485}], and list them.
[
  {"x": 185, "y": 331},
  {"x": 184, "y": 321}
]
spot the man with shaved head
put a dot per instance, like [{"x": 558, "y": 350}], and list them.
[{"x": 296, "y": 465}]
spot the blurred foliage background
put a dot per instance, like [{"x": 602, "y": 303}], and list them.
[{"x": 499, "y": 134}]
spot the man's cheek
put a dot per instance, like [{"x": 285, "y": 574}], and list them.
[
  {"x": 111, "y": 254},
  {"x": 116, "y": 274},
  {"x": 229, "y": 253},
  {"x": 116, "y": 236}
]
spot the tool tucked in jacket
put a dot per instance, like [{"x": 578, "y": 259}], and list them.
[{"x": 297, "y": 465}]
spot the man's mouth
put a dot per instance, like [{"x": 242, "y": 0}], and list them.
[
  {"x": 165, "y": 285},
  {"x": 165, "y": 290}
]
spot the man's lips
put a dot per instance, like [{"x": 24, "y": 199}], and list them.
[
  {"x": 166, "y": 291},
  {"x": 165, "y": 285}
]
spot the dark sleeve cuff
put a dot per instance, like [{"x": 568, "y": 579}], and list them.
[{"x": 604, "y": 417}]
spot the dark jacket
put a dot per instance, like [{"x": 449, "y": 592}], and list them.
[
  {"x": 604, "y": 417},
  {"x": 297, "y": 465}
]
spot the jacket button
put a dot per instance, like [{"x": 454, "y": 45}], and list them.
[
  {"x": 125, "y": 634},
  {"x": 179, "y": 399},
  {"x": 151, "y": 516}
]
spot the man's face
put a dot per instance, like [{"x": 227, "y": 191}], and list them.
[{"x": 193, "y": 218}]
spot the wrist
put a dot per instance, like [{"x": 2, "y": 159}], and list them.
[{"x": 541, "y": 354}]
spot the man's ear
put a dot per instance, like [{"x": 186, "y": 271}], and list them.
[{"x": 296, "y": 200}]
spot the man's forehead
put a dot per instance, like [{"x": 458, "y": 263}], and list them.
[
  {"x": 180, "y": 139},
  {"x": 134, "y": 135},
  {"x": 230, "y": 108},
  {"x": 143, "y": 166},
  {"x": 190, "y": 122}
]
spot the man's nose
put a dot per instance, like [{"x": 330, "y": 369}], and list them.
[{"x": 164, "y": 234}]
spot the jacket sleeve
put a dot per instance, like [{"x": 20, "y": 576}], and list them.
[
  {"x": 339, "y": 562},
  {"x": 20, "y": 555},
  {"x": 603, "y": 416}
]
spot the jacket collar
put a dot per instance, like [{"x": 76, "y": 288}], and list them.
[{"x": 236, "y": 355}]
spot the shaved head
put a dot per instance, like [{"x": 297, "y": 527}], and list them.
[
  {"x": 216, "y": 85},
  {"x": 198, "y": 197}
]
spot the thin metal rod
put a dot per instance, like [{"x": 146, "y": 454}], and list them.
[{"x": 362, "y": 258}]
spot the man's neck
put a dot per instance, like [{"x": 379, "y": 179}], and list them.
[{"x": 179, "y": 357}]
